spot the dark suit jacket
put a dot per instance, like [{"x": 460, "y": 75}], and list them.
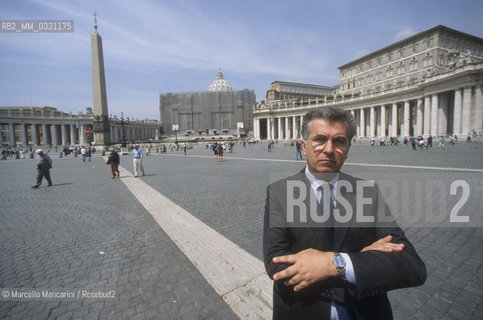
[{"x": 375, "y": 272}]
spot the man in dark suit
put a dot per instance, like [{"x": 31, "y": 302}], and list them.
[{"x": 330, "y": 242}]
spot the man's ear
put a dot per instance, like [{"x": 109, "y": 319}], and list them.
[{"x": 303, "y": 145}]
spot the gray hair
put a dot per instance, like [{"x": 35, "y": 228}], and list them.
[{"x": 331, "y": 114}]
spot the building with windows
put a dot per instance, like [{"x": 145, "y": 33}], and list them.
[
  {"x": 427, "y": 84},
  {"x": 282, "y": 90},
  {"x": 219, "y": 110}
]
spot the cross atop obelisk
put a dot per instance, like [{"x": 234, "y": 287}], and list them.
[
  {"x": 101, "y": 121},
  {"x": 95, "y": 21}
]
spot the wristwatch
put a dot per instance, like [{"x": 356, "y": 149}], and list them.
[{"x": 339, "y": 263}]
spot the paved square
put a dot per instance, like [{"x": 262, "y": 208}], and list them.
[{"x": 51, "y": 237}]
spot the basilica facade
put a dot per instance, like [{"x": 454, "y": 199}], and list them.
[
  {"x": 428, "y": 84},
  {"x": 219, "y": 110}
]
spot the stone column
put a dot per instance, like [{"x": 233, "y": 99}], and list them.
[
  {"x": 269, "y": 128},
  {"x": 301, "y": 126},
  {"x": 363, "y": 123},
  {"x": 383, "y": 121},
  {"x": 372, "y": 122},
  {"x": 427, "y": 116},
  {"x": 419, "y": 117},
  {"x": 111, "y": 134},
  {"x": 279, "y": 123},
  {"x": 65, "y": 134},
  {"x": 443, "y": 115},
  {"x": 394, "y": 120},
  {"x": 83, "y": 134},
  {"x": 458, "y": 102},
  {"x": 11, "y": 135},
  {"x": 45, "y": 135},
  {"x": 255, "y": 127},
  {"x": 479, "y": 109},
  {"x": 35, "y": 134},
  {"x": 55, "y": 137},
  {"x": 434, "y": 114},
  {"x": 287, "y": 129},
  {"x": 25, "y": 137},
  {"x": 294, "y": 127},
  {"x": 466, "y": 123},
  {"x": 255, "y": 121},
  {"x": 406, "y": 119},
  {"x": 72, "y": 134}
]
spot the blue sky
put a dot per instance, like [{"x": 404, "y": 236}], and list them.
[{"x": 153, "y": 47}]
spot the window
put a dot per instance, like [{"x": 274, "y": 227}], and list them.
[
  {"x": 379, "y": 60},
  {"x": 428, "y": 44},
  {"x": 401, "y": 53},
  {"x": 414, "y": 65},
  {"x": 389, "y": 73},
  {"x": 369, "y": 64},
  {"x": 389, "y": 57},
  {"x": 361, "y": 68},
  {"x": 415, "y": 48}
]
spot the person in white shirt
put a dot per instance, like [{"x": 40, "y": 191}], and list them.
[{"x": 137, "y": 160}]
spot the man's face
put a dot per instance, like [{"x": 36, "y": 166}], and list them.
[{"x": 327, "y": 146}]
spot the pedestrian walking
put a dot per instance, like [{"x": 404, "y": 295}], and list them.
[
  {"x": 83, "y": 153},
  {"x": 430, "y": 142},
  {"x": 89, "y": 153},
  {"x": 220, "y": 152},
  {"x": 441, "y": 142},
  {"x": 137, "y": 160},
  {"x": 413, "y": 142},
  {"x": 215, "y": 150},
  {"x": 421, "y": 144},
  {"x": 113, "y": 161},
  {"x": 43, "y": 168},
  {"x": 298, "y": 151},
  {"x": 184, "y": 149}
]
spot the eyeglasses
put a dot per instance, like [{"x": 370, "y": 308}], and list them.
[{"x": 320, "y": 141}]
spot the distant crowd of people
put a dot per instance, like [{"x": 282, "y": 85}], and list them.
[{"x": 419, "y": 143}]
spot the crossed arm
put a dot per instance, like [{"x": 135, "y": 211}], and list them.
[{"x": 310, "y": 266}]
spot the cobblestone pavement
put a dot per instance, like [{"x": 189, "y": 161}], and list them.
[
  {"x": 52, "y": 238},
  {"x": 57, "y": 233}
]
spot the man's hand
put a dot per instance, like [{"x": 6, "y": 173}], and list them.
[
  {"x": 384, "y": 245},
  {"x": 307, "y": 267}
]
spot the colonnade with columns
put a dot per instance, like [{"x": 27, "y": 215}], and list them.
[
  {"x": 133, "y": 133},
  {"x": 15, "y": 133},
  {"x": 20, "y": 133},
  {"x": 453, "y": 112},
  {"x": 278, "y": 128},
  {"x": 445, "y": 112}
]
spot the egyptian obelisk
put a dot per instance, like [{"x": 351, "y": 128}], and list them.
[{"x": 101, "y": 120}]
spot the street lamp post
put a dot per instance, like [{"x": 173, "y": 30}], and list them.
[
  {"x": 175, "y": 128},
  {"x": 123, "y": 122}
]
